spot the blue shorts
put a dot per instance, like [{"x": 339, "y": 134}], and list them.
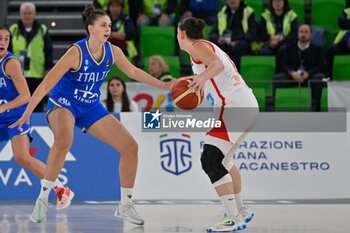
[
  {"x": 84, "y": 116},
  {"x": 6, "y": 133}
]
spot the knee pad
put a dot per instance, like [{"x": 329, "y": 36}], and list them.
[{"x": 212, "y": 163}]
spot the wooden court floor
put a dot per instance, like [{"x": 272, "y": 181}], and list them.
[{"x": 91, "y": 217}]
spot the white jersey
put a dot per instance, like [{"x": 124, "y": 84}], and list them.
[
  {"x": 229, "y": 94},
  {"x": 219, "y": 89}
]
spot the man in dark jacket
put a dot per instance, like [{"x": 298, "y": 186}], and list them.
[
  {"x": 235, "y": 29},
  {"x": 302, "y": 63}
]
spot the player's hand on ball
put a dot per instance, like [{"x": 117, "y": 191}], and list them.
[
  {"x": 197, "y": 84},
  {"x": 169, "y": 85}
]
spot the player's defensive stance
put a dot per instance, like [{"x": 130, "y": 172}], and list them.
[{"x": 74, "y": 100}]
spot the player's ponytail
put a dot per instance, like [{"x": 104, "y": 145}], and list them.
[
  {"x": 193, "y": 27},
  {"x": 91, "y": 14}
]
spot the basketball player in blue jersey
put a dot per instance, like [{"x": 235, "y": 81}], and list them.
[
  {"x": 74, "y": 100},
  {"x": 14, "y": 95}
]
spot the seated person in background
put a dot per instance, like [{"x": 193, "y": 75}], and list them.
[
  {"x": 342, "y": 41},
  {"x": 235, "y": 29},
  {"x": 204, "y": 9},
  {"x": 117, "y": 97},
  {"x": 123, "y": 30},
  {"x": 302, "y": 61},
  {"x": 157, "y": 12},
  {"x": 278, "y": 27},
  {"x": 159, "y": 68},
  {"x": 132, "y": 8}
]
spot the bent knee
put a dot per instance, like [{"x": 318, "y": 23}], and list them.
[
  {"x": 24, "y": 160},
  {"x": 211, "y": 160},
  {"x": 131, "y": 147},
  {"x": 63, "y": 144}
]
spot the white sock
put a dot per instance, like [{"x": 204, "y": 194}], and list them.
[
  {"x": 46, "y": 187},
  {"x": 239, "y": 202},
  {"x": 125, "y": 195},
  {"x": 228, "y": 201},
  {"x": 57, "y": 184}
]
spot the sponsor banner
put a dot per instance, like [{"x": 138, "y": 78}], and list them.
[
  {"x": 278, "y": 165},
  {"x": 148, "y": 97},
  {"x": 90, "y": 169},
  {"x": 274, "y": 165}
]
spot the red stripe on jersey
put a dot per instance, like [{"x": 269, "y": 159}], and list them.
[
  {"x": 197, "y": 62},
  {"x": 222, "y": 131},
  {"x": 212, "y": 46}
]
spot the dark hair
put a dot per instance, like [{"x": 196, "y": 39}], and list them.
[
  {"x": 305, "y": 25},
  {"x": 118, "y": 2},
  {"x": 92, "y": 14},
  {"x": 3, "y": 27},
  {"x": 125, "y": 99},
  {"x": 193, "y": 27},
  {"x": 286, "y": 7}
]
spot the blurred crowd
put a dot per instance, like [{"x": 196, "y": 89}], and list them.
[{"x": 234, "y": 27}]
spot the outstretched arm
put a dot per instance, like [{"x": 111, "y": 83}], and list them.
[
  {"x": 135, "y": 73},
  {"x": 70, "y": 60},
  {"x": 14, "y": 70}
]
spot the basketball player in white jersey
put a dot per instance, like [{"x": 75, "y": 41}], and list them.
[{"x": 216, "y": 75}]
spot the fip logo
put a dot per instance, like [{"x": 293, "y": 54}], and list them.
[
  {"x": 176, "y": 154},
  {"x": 151, "y": 120}
]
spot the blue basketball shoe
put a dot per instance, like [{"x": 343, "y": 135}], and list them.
[
  {"x": 229, "y": 223},
  {"x": 246, "y": 214}
]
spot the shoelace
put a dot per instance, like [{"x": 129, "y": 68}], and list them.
[
  {"x": 38, "y": 210},
  {"x": 243, "y": 211},
  {"x": 47, "y": 204},
  {"x": 130, "y": 207}
]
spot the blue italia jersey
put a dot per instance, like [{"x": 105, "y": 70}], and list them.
[
  {"x": 8, "y": 91},
  {"x": 82, "y": 86}
]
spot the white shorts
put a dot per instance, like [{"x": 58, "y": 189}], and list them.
[{"x": 238, "y": 117}]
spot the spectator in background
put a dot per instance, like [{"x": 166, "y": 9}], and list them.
[
  {"x": 101, "y": 4},
  {"x": 342, "y": 41},
  {"x": 32, "y": 44},
  {"x": 159, "y": 68},
  {"x": 132, "y": 8},
  {"x": 302, "y": 62},
  {"x": 235, "y": 29},
  {"x": 117, "y": 97},
  {"x": 123, "y": 31},
  {"x": 203, "y": 9},
  {"x": 157, "y": 12},
  {"x": 278, "y": 27}
]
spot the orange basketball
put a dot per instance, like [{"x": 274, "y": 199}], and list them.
[{"x": 184, "y": 97}]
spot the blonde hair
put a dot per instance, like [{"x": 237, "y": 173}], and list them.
[{"x": 161, "y": 61}]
